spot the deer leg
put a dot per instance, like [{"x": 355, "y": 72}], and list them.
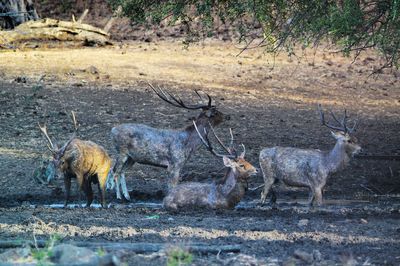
[
  {"x": 311, "y": 197},
  {"x": 269, "y": 179},
  {"x": 267, "y": 187},
  {"x": 67, "y": 184},
  {"x": 118, "y": 168},
  {"x": 125, "y": 191},
  {"x": 174, "y": 177},
  {"x": 102, "y": 178},
  {"x": 89, "y": 193},
  {"x": 102, "y": 195},
  {"x": 318, "y": 196}
]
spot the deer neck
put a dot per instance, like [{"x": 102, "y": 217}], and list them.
[
  {"x": 337, "y": 158},
  {"x": 231, "y": 190},
  {"x": 193, "y": 141}
]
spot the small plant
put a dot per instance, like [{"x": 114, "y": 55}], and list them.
[
  {"x": 101, "y": 252},
  {"x": 42, "y": 255},
  {"x": 177, "y": 256}
]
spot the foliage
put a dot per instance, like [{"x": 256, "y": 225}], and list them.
[
  {"x": 178, "y": 256},
  {"x": 42, "y": 255},
  {"x": 354, "y": 25}
]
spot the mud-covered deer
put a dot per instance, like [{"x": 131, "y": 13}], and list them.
[
  {"x": 226, "y": 195},
  {"x": 168, "y": 148},
  {"x": 84, "y": 160},
  {"x": 309, "y": 167}
]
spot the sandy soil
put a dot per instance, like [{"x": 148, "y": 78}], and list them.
[{"x": 272, "y": 101}]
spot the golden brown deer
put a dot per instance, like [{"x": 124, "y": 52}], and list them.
[
  {"x": 86, "y": 161},
  {"x": 308, "y": 167},
  {"x": 226, "y": 195}
]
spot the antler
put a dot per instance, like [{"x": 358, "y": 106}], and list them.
[
  {"x": 343, "y": 124},
  {"x": 51, "y": 147},
  {"x": 231, "y": 151},
  {"x": 177, "y": 102},
  {"x": 76, "y": 126}
]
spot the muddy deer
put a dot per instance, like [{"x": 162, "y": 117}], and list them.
[
  {"x": 86, "y": 161},
  {"x": 211, "y": 195},
  {"x": 309, "y": 167},
  {"x": 168, "y": 148}
]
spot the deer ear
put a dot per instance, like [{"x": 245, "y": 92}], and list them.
[
  {"x": 227, "y": 161},
  {"x": 335, "y": 135}
]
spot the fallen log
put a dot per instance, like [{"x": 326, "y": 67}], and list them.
[
  {"x": 51, "y": 29},
  {"x": 199, "y": 248}
]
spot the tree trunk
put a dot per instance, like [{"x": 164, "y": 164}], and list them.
[{"x": 15, "y": 12}]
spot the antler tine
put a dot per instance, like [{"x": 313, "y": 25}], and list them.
[
  {"x": 219, "y": 141},
  {"x": 344, "y": 123},
  {"x": 207, "y": 141},
  {"x": 231, "y": 144},
  {"x": 335, "y": 118},
  {"x": 177, "y": 101},
  {"x": 74, "y": 120},
  {"x": 162, "y": 95},
  {"x": 209, "y": 101},
  {"x": 323, "y": 122},
  {"x": 244, "y": 148},
  {"x": 198, "y": 94},
  {"x": 44, "y": 131}
]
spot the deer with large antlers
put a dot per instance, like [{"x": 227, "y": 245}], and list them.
[
  {"x": 226, "y": 195},
  {"x": 86, "y": 161},
  {"x": 309, "y": 168},
  {"x": 168, "y": 148}
]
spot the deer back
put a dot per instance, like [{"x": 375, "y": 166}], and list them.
[{"x": 85, "y": 157}]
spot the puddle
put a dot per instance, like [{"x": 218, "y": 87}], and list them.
[{"x": 298, "y": 205}]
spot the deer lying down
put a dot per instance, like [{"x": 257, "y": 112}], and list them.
[
  {"x": 168, "y": 148},
  {"x": 84, "y": 160},
  {"x": 305, "y": 167},
  {"x": 213, "y": 196}
]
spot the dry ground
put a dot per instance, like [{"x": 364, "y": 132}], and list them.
[{"x": 272, "y": 101}]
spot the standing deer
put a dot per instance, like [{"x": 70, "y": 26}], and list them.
[
  {"x": 308, "y": 167},
  {"x": 214, "y": 196},
  {"x": 84, "y": 160},
  {"x": 168, "y": 148}
]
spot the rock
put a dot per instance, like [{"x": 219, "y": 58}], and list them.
[
  {"x": 16, "y": 254},
  {"x": 317, "y": 255},
  {"x": 92, "y": 70},
  {"x": 303, "y": 222},
  {"x": 304, "y": 256},
  {"x": 66, "y": 254}
]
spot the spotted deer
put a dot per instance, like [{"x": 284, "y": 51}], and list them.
[
  {"x": 309, "y": 167},
  {"x": 86, "y": 161},
  {"x": 168, "y": 148},
  {"x": 225, "y": 195}
]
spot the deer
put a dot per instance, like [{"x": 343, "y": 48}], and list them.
[
  {"x": 167, "y": 148},
  {"x": 225, "y": 195},
  {"x": 309, "y": 168},
  {"x": 86, "y": 161}
]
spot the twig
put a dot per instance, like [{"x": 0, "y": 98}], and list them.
[
  {"x": 367, "y": 188},
  {"x": 256, "y": 188}
]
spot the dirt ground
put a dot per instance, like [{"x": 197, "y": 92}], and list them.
[{"x": 271, "y": 101}]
